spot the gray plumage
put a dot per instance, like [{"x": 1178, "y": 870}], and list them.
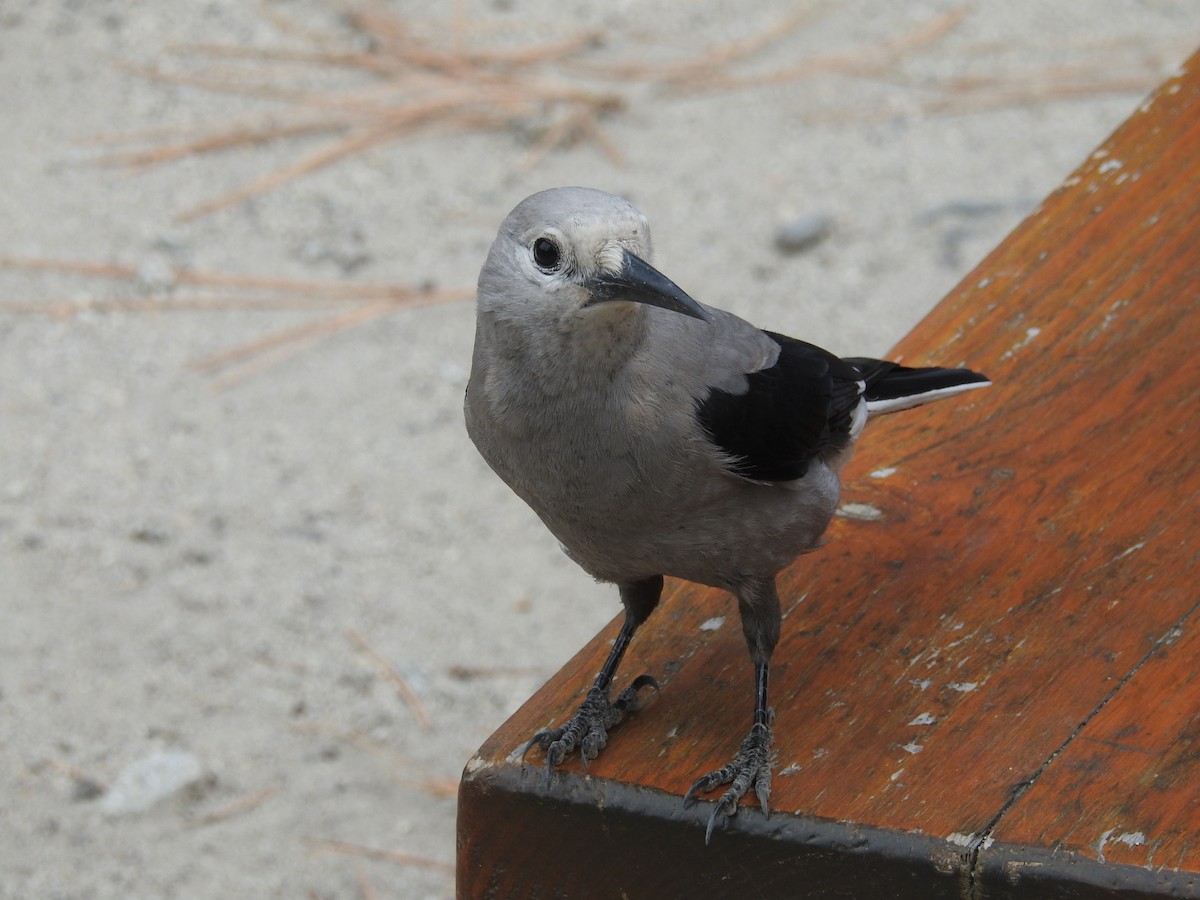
[{"x": 654, "y": 435}]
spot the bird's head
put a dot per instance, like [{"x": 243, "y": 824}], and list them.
[{"x": 570, "y": 251}]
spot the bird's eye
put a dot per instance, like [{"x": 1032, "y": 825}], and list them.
[{"x": 547, "y": 255}]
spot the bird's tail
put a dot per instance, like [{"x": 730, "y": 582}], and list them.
[{"x": 891, "y": 386}]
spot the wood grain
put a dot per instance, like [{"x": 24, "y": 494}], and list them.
[{"x": 988, "y": 688}]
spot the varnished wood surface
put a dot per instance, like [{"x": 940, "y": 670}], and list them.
[{"x": 992, "y": 686}]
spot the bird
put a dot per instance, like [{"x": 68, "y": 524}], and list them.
[{"x": 655, "y": 436}]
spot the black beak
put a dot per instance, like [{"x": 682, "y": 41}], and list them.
[{"x": 640, "y": 282}]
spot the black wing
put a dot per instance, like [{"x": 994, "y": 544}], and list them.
[{"x": 791, "y": 413}]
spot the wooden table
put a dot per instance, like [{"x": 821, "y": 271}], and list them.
[{"x": 992, "y": 687}]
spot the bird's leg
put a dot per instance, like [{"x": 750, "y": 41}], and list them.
[
  {"x": 751, "y": 765},
  {"x": 588, "y": 728}
]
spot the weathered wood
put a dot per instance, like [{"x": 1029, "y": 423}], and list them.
[{"x": 988, "y": 689}]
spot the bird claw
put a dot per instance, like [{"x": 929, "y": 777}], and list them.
[
  {"x": 588, "y": 728},
  {"x": 719, "y": 811},
  {"x": 750, "y": 767},
  {"x": 543, "y": 739}
]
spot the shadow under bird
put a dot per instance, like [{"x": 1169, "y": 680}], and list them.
[{"x": 655, "y": 435}]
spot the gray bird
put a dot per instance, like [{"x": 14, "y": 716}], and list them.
[{"x": 655, "y": 435}]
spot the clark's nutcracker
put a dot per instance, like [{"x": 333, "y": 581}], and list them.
[{"x": 657, "y": 436}]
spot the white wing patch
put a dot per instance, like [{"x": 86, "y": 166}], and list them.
[{"x": 878, "y": 407}]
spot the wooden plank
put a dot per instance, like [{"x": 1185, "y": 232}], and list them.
[
  {"x": 950, "y": 666},
  {"x": 1124, "y": 792}
]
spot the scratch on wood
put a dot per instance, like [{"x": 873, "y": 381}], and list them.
[{"x": 1117, "y": 745}]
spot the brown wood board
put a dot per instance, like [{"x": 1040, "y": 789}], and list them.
[{"x": 987, "y": 687}]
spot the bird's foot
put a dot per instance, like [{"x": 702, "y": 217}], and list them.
[
  {"x": 751, "y": 767},
  {"x": 588, "y": 728}
]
